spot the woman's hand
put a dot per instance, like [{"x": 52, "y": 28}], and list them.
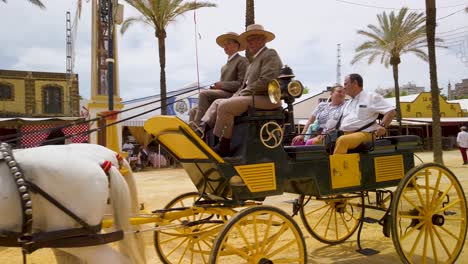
[{"x": 298, "y": 139}]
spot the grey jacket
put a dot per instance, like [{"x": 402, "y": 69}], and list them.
[
  {"x": 264, "y": 68},
  {"x": 233, "y": 72}
]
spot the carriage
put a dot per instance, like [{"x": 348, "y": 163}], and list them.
[
  {"x": 423, "y": 207},
  {"x": 225, "y": 221}
]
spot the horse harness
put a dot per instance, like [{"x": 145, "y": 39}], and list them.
[{"x": 29, "y": 241}]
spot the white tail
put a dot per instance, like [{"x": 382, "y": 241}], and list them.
[{"x": 131, "y": 244}]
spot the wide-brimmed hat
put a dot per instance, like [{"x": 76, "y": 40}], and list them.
[
  {"x": 256, "y": 29},
  {"x": 230, "y": 35}
]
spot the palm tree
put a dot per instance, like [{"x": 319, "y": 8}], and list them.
[
  {"x": 35, "y": 2},
  {"x": 394, "y": 36},
  {"x": 158, "y": 14},
  {"x": 249, "y": 20},
  {"x": 435, "y": 92}
]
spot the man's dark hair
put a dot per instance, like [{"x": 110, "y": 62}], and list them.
[{"x": 356, "y": 77}]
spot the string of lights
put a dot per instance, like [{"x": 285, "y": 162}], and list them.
[{"x": 395, "y": 8}]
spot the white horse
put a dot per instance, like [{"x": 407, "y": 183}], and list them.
[{"x": 74, "y": 177}]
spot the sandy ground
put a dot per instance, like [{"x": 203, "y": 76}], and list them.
[{"x": 158, "y": 187}]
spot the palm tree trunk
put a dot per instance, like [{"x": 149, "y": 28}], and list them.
[
  {"x": 161, "y": 36},
  {"x": 435, "y": 92},
  {"x": 397, "y": 95},
  {"x": 249, "y": 20}
]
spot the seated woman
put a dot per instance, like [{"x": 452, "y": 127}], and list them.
[{"x": 327, "y": 114}]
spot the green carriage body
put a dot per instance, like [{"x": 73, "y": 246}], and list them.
[{"x": 258, "y": 170}]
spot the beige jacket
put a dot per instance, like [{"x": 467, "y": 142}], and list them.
[
  {"x": 264, "y": 68},
  {"x": 233, "y": 72}
]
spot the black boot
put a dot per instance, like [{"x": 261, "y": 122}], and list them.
[{"x": 224, "y": 147}]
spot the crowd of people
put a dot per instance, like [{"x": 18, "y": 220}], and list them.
[{"x": 141, "y": 157}]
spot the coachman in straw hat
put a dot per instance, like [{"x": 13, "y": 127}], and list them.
[
  {"x": 265, "y": 66},
  {"x": 232, "y": 75}
]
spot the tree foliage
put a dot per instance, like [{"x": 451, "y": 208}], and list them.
[
  {"x": 396, "y": 34},
  {"x": 158, "y": 14}
]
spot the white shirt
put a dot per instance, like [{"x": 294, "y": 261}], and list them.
[
  {"x": 258, "y": 52},
  {"x": 232, "y": 56},
  {"x": 462, "y": 139},
  {"x": 362, "y": 110}
]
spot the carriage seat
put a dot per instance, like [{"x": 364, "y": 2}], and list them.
[
  {"x": 378, "y": 144},
  {"x": 406, "y": 142},
  {"x": 303, "y": 149},
  {"x": 260, "y": 114}
]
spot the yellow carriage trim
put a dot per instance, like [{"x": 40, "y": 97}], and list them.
[
  {"x": 344, "y": 170},
  {"x": 258, "y": 177},
  {"x": 389, "y": 168},
  {"x": 180, "y": 139}
]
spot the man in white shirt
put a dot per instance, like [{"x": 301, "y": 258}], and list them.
[
  {"x": 360, "y": 114},
  {"x": 462, "y": 141},
  {"x": 128, "y": 147}
]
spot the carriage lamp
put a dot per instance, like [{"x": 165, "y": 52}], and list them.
[
  {"x": 287, "y": 89},
  {"x": 284, "y": 88}
]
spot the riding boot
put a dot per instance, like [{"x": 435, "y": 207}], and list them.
[{"x": 224, "y": 147}]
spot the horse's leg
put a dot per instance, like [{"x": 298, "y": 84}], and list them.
[
  {"x": 97, "y": 255},
  {"x": 66, "y": 258}
]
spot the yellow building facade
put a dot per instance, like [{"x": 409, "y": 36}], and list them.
[
  {"x": 38, "y": 94},
  {"x": 421, "y": 106}
]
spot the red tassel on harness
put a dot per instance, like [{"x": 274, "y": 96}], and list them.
[
  {"x": 119, "y": 157},
  {"x": 106, "y": 166}
]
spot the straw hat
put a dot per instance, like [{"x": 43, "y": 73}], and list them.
[
  {"x": 230, "y": 35},
  {"x": 256, "y": 29}
]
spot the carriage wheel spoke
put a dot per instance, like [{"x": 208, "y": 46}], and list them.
[
  {"x": 449, "y": 205},
  {"x": 442, "y": 197},
  {"x": 415, "y": 228},
  {"x": 447, "y": 251},
  {"x": 449, "y": 232},
  {"x": 228, "y": 249},
  {"x": 321, "y": 218},
  {"x": 320, "y": 208},
  {"x": 272, "y": 240},
  {"x": 281, "y": 249},
  {"x": 415, "y": 244},
  {"x": 411, "y": 203},
  {"x": 344, "y": 222},
  {"x": 418, "y": 192},
  {"x": 246, "y": 241},
  {"x": 328, "y": 224},
  {"x": 267, "y": 232},
  {"x": 436, "y": 188},
  {"x": 434, "y": 250}
]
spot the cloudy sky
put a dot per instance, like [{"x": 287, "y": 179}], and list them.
[{"x": 307, "y": 33}]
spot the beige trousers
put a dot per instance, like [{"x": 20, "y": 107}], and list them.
[
  {"x": 205, "y": 99},
  {"x": 221, "y": 113}
]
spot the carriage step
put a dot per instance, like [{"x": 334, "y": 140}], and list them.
[
  {"x": 368, "y": 251},
  {"x": 370, "y": 220}
]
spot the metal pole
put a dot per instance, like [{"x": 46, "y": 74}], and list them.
[{"x": 110, "y": 59}]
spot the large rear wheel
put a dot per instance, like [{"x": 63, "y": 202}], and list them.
[
  {"x": 429, "y": 216},
  {"x": 260, "y": 234},
  {"x": 333, "y": 219}
]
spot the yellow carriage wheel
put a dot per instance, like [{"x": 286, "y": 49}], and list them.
[
  {"x": 333, "y": 219},
  {"x": 429, "y": 216},
  {"x": 188, "y": 244},
  {"x": 260, "y": 234}
]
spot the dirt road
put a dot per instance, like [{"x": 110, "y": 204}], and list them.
[{"x": 158, "y": 187}]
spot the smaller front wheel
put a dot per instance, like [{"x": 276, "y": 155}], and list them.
[{"x": 260, "y": 234}]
